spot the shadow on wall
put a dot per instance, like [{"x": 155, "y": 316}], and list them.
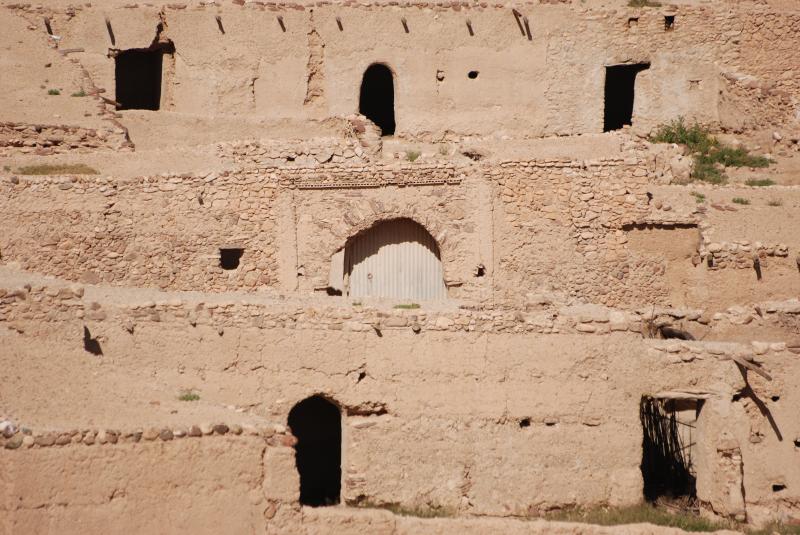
[{"x": 396, "y": 259}]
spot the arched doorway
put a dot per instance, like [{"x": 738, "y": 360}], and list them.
[
  {"x": 394, "y": 259},
  {"x": 317, "y": 425},
  {"x": 377, "y": 97}
]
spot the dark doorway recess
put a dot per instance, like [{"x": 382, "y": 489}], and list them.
[
  {"x": 317, "y": 424},
  {"x": 619, "y": 94},
  {"x": 138, "y": 79},
  {"x": 377, "y": 97},
  {"x": 667, "y": 447},
  {"x": 229, "y": 258}
]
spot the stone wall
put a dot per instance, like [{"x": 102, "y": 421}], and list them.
[
  {"x": 166, "y": 231},
  {"x": 506, "y": 231},
  {"x": 161, "y": 231},
  {"x": 18, "y": 138}
]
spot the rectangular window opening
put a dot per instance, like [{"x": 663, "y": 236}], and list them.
[
  {"x": 138, "y": 75},
  {"x": 669, "y": 23},
  {"x": 669, "y": 431},
  {"x": 229, "y": 258},
  {"x": 619, "y": 94}
]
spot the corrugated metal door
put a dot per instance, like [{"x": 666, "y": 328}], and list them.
[{"x": 395, "y": 259}]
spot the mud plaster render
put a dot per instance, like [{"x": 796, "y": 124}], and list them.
[{"x": 313, "y": 70}]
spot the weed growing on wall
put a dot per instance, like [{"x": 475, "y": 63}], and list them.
[
  {"x": 189, "y": 395},
  {"x": 761, "y": 182},
  {"x": 699, "y": 197},
  {"x": 80, "y": 93},
  {"x": 643, "y": 3},
  {"x": 53, "y": 91},
  {"x": 58, "y": 169},
  {"x": 407, "y": 306},
  {"x": 741, "y": 200},
  {"x": 412, "y": 155},
  {"x": 774, "y": 202},
  {"x": 710, "y": 155}
]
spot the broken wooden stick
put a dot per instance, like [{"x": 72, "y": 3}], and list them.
[{"x": 751, "y": 366}]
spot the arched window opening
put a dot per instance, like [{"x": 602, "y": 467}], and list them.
[
  {"x": 394, "y": 259},
  {"x": 317, "y": 425},
  {"x": 377, "y": 97}
]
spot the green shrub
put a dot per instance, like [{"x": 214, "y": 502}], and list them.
[
  {"x": 58, "y": 169},
  {"x": 695, "y": 137},
  {"x": 736, "y": 157},
  {"x": 643, "y": 3},
  {"x": 644, "y": 513},
  {"x": 189, "y": 395},
  {"x": 707, "y": 171},
  {"x": 710, "y": 156},
  {"x": 760, "y": 182},
  {"x": 419, "y": 511},
  {"x": 412, "y": 155},
  {"x": 407, "y": 306},
  {"x": 775, "y": 202},
  {"x": 699, "y": 197},
  {"x": 740, "y": 200},
  {"x": 80, "y": 93},
  {"x": 53, "y": 91}
]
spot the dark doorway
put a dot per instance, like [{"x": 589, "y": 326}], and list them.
[
  {"x": 377, "y": 97},
  {"x": 317, "y": 424},
  {"x": 138, "y": 79},
  {"x": 619, "y": 94},
  {"x": 669, "y": 435}
]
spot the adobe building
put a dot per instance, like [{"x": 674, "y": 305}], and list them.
[{"x": 270, "y": 267}]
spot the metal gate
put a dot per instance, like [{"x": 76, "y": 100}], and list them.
[{"x": 395, "y": 259}]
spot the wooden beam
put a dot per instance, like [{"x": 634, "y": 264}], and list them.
[{"x": 744, "y": 363}]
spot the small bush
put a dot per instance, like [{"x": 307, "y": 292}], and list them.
[
  {"x": 775, "y": 202},
  {"x": 444, "y": 150},
  {"x": 740, "y": 200},
  {"x": 774, "y": 528},
  {"x": 407, "y": 306},
  {"x": 6, "y": 168},
  {"x": 710, "y": 156},
  {"x": 645, "y": 513},
  {"x": 736, "y": 157},
  {"x": 707, "y": 172},
  {"x": 412, "y": 155},
  {"x": 643, "y": 3},
  {"x": 762, "y": 182},
  {"x": 189, "y": 395},
  {"x": 80, "y": 93},
  {"x": 419, "y": 511},
  {"x": 53, "y": 91},
  {"x": 356, "y": 303},
  {"x": 58, "y": 169},
  {"x": 699, "y": 197}
]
